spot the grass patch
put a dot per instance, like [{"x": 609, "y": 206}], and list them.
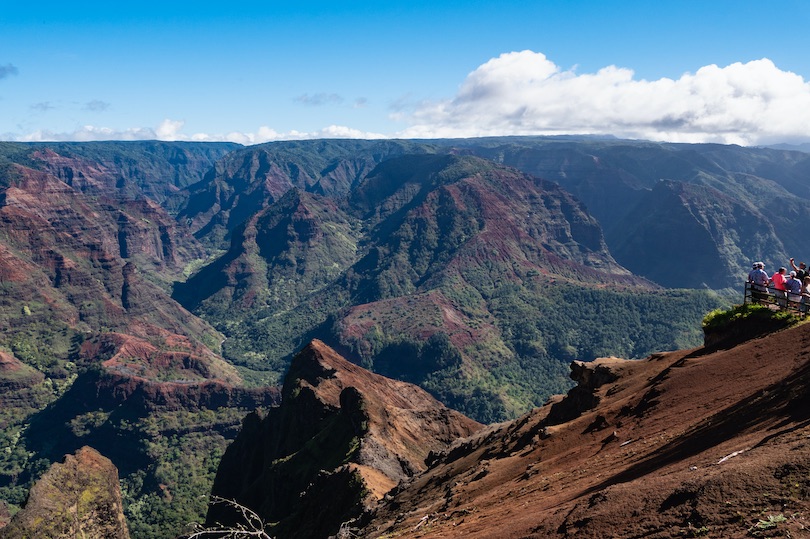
[{"x": 721, "y": 318}]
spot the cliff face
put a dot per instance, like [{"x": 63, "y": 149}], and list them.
[
  {"x": 79, "y": 497},
  {"x": 694, "y": 236},
  {"x": 77, "y": 259},
  {"x": 129, "y": 170},
  {"x": 276, "y": 257},
  {"x": 728, "y": 203},
  {"x": 341, "y": 439}
]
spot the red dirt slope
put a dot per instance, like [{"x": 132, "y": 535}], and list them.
[{"x": 685, "y": 444}]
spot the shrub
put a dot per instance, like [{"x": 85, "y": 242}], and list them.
[{"x": 720, "y": 318}]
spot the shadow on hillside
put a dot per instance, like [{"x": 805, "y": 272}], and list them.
[
  {"x": 54, "y": 431},
  {"x": 788, "y": 398}
]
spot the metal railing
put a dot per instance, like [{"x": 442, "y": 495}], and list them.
[{"x": 776, "y": 299}]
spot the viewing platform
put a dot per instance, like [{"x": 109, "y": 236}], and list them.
[{"x": 777, "y": 300}]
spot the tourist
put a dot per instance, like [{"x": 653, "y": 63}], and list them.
[
  {"x": 759, "y": 281},
  {"x": 794, "y": 290},
  {"x": 806, "y": 294},
  {"x": 801, "y": 271},
  {"x": 778, "y": 281}
]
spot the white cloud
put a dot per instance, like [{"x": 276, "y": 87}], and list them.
[
  {"x": 524, "y": 93},
  {"x": 172, "y": 130},
  {"x": 88, "y": 133},
  {"x": 267, "y": 134}
]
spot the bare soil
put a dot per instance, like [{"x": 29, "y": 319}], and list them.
[{"x": 683, "y": 444}]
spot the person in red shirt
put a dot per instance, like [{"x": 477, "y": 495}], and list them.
[{"x": 778, "y": 281}]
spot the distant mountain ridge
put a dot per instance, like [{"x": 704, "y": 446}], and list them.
[
  {"x": 152, "y": 169},
  {"x": 249, "y": 179},
  {"x": 615, "y": 177},
  {"x": 792, "y": 147}
]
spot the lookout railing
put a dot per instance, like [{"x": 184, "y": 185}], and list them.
[{"x": 777, "y": 299}]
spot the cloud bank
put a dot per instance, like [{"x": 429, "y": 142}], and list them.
[
  {"x": 172, "y": 130},
  {"x": 524, "y": 93}
]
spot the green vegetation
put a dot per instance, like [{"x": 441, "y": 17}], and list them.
[
  {"x": 546, "y": 328},
  {"x": 769, "y": 523},
  {"x": 721, "y": 318},
  {"x": 173, "y": 489},
  {"x": 166, "y": 459},
  {"x": 536, "y": 332},
  {"x": 11, "y": 153},
  {"x": 451, "y": 297}
]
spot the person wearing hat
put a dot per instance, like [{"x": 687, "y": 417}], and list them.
[
  {"x": 794, "y": 289},
  {"x": 759, "y": 281}
]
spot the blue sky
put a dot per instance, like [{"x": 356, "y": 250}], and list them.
[{"x": 687, "y": 70}]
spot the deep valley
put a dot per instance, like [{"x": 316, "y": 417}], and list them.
[{"x": 156, "y": 294}]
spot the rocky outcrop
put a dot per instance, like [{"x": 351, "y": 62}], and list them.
[
  {"x": 589, "y": 377},
  {"x": 341, "y": 434},
  {"x": 80, "y": 497},
  {"x": 15, "y": 375},
  {"x": 110, "y": 389}
]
